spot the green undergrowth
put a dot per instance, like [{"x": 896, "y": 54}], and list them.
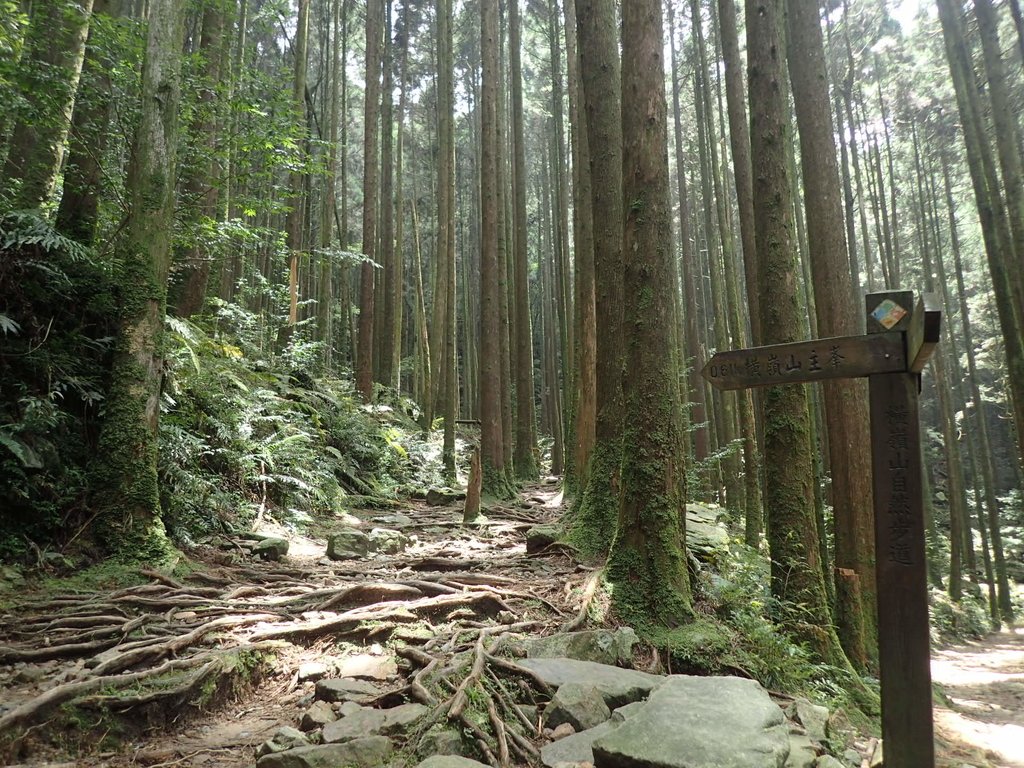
[
  {"x": 245, "y": 432},
  {"x": 249, "y": 427},
  {"x": 736, "y": 631}
]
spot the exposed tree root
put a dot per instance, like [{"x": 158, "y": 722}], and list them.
[{"x": 168, "y": 644}]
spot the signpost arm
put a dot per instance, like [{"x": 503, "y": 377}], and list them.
[{"x": 900, "y": 565}]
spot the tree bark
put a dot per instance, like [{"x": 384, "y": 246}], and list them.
[
  {"x": 296, "y": 219},
  {"x": 371, "y": 178},
  {"x": 78, "y": 212},
  {"x": 845, "y": 400},
  {"x": 647, "y": 562},
  {"x": 796, "y": 578},
  {"x": 492, "y": 458},
  {"x": 526, "y": 415},
  {"x": 52, "y": 67},
  {"x": 189, "y": 293},
  {"x": 593, "y": 521},
  {"x": 128, "y": 503}
]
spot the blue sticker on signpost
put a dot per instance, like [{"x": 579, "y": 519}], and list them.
[{"x": 888, "y": 314}]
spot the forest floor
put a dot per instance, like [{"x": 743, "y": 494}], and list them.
[{"x": 200, "y": 669}]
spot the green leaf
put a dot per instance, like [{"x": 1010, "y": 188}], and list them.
[
  {"x": 24, "y": 452},
  {"x": 8, "y": 325}
]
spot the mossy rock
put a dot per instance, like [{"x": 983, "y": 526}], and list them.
[
  {"x": 702, "y": 646},
  {"x": 540, "y": 537},
  {"x": 271, "y": 548}
]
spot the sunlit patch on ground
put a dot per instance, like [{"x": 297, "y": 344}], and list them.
[{"x": 984, "y": 682}]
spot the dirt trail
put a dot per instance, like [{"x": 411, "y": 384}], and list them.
[
  {"x": 455, "y": 582},
  {"x": 984, "y": 682}
]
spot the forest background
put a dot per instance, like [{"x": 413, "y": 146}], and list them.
[{"x": 247, "y": 242}]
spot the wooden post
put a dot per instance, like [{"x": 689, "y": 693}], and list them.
[{"x": 900, "y": 565}]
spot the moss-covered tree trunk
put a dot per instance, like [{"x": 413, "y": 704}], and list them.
[
  {"x": 593, "y": 521},
  {"x": 127, "y": 498},
  {"x": 837, "y": 314},
  {"x": 50, "y": 72},
  {"x": 647, "y": 563},
  {"x": 796, "y": 577}
]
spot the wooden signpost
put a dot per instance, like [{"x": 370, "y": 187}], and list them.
[{"x": 900, "y": 338}]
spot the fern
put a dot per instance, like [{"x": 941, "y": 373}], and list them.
[
  {"x": 24, "y": 453},
  {"x": 7, "y": 325},
  {"x": 25, "y": 230}
]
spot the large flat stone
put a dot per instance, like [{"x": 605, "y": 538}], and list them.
[
  {"x": 346, "y": 689},
  {"x": 617, "y": 686},
  {"x": 699, "y": 722},
  {"x": 578, "y": 747},
  {"x": 450, "y": 761},
  {"x": 367, "y": 752},
  {"x": 599, "y": 645},
  {"x": 368, "y": 667},
  {"x": 371, "y": 722}
]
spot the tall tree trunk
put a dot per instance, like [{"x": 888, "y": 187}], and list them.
[
  {"x": 443, "y": 326},
  {"x": 395, "y": 312},
  {"x": 1003, "y": 262},
  {"x": 1005, "y": 609},
  {"x": 689, "y": 272},
  {"x": 845, "y": 400},
  {"x": 647, "y": 562},
  {"x": 585, "y": 321},
  {"x": 504, "y": 204},
  {"x": 594, "y": 520},
  {"x": 795, "y": 572},
  {"x": 526, "y": 415},
  {"x": 188, "y": 296},
  {"x": 388, "y": 294},
  {"x": 328, "y": 214},
  {"x": 560, "y": 178},
  {"x": 296, "y": 218},
  {"x": 231, "y": 268},
  {"x": 127, "y": 497},
  {"x": 1007, "y": 137},
  {"x": 492, "y": 457},
  {"x": 78, "y": 212},
  {"x": 725, "y": 402},
  {"x": 371, "y": 177},
  {"x": 51, "y": 67}
]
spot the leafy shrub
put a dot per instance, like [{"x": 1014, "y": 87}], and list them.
[
  {"x": 245, "y": 432},
  {"x": 961, "y": 620},
  {"x": 55, "y": 310}
]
